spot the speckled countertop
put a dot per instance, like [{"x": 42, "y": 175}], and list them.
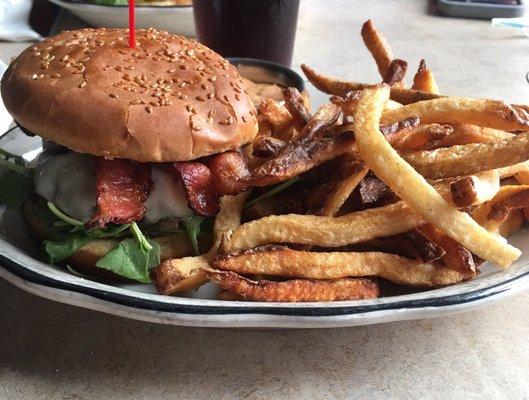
[{"x": 54, "y": 351}]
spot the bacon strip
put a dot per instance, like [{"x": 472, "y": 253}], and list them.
[
  {"x": 204, "y": 182},
  {"x": 122, "y": 187}
]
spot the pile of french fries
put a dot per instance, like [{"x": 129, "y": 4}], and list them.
[{"x": 387, "y": 184}]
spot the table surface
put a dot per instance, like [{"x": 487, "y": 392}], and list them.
[{"x": 54, "y": 351}]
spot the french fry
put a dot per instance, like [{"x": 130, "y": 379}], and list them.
[
  {"x": 339, "y": 87},
  {"x": 423, "y": 137},
  {"x": 278, "y": 117},
  {"x": 181, "y": 274},
  {"x": 487, "y": 113},
  {"x": 377, "y": 46},
  {"x": 296, "y": 290},
  {"x": 325, "y": 231},
  {"x": 424, "y": 79},
  {"x": 512, "y": 223},
  {"x": 469, "y": 159},
  {"x": 456, "y": 256},
  {"x": 467, "y": 133},
  {"x": 411, "y": 187},
  {"x": 267, "y": 146},
  {"x": 296, "y": 107},
  {"x": 341, "y": 186},
  {"x": 285, "y": 262},
  {"x": 396, "y": 72},
  {"x": 475, "y": 189}
]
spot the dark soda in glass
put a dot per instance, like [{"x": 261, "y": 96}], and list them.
[{"x": 263, "y": 29}]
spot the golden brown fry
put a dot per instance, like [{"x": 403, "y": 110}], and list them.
[
  {"x": 424, "y": 79},
  {"x": 325, "y": 231},
  {"x": 296, "y": 290},
  {"x": 396, "y": 72},
  {"x": 512, "y": 223},
  {"x": 467, "y": 133},
  {"x": 487, "y": 113},
  {"x": 423, "y": 137},
  {"x": 456, "y": 256},
  {"x": 469, "y": 159},
  {"x": 338, "y": 87},
  {"x": 278, "y": 117},
  {"x": 181, "y": 274},
  {"x": 377, "y": 46},
  {"x": 296, "y": 107},
  {"x": 267, "y": 146},
  {"x": 411, "y": 187},
  {"x": 475, "y": 189},
  {"x": 341, "y": 186},
  {"x": 285, "y": 262},
  {"x": 482, "y": 213}
]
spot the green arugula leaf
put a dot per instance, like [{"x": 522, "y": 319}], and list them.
[
  {"x": 131, "y": 260},
  {"x": 272, "y": 192},
  {"x": 59, "y": 250},
  {"x": 192, "y": 226}
]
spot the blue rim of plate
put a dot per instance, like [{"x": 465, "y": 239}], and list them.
[{"x": 325, "y": 310}]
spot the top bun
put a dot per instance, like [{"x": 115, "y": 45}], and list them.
[{"x": 168, "y": 99}]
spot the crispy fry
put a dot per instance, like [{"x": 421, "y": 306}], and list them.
[
  {"x": 325, "y": 231},
  {"x": 181, "y": 274},
  {"x": 338, "y": 87},
  {"x": 278, "y": 117},
  {"x": 373, "y": 192},
  {"x": 483, "y": 213},
  {"x": 424, "y": 79},
  {"x": 512, "y": 223},
  {"x": 267, "y": 146},
  {"x": 413, "y": 188},
  {"x": 475, "y": 189},
  {"x": 396, "y": 72},
  {"x": 282, "y": 261},
  {"x": 296, "y": 106},
  {"x": 377, "y": 46},
  {"x": 488, "y": 113},
  {"x": 296, "y": 290},
  {"x": 469, "y": 159},
  {"x": 342, "y": 185},
  {"x": 467, "y": 133},
  {"x": 500, "y": 210},
  {"x": 304, "y": 153},
  {"x": 456, "y": 256},
  {"x": 423, "y": 137}
]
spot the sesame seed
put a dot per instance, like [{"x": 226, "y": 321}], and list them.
[
  {"x": 212, "y": 113},
  {"x": 212, "y": 78},
  {"x": 40, "y": 76},
  {"x": 149, "y": 109},
  {"x": 204, "y": 86},
  {"x": 34, "y": 76},
  {"x": 198, "y": 128},
  {"x": 229, "y": 120},
  {"x": 211, "y": 95},
  {"x": 122, "y": 52},
  {"x": 82, "y": 84},
  {"x": 153, "y": 103},
  {"x": 226, "y": 98},
  {"x": 188, "y": 107},
  {"x": 114, "y": 96},
  {"x": 65, "y": 57},
  {"x": 237, "y": 96},
  {"x": 56, "y": 75},
  {"x": 183, "y": 67},
  {"x": 244, "y": 119},
  {"x": 170, "y": 71},
  {"x": 200, "y": 98}
]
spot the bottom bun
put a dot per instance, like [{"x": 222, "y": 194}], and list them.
[{"x": 84, "y": 260}]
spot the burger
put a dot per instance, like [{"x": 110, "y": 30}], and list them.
[{"x": 138, "y": 145}]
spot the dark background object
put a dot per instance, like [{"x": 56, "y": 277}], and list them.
[
  {"x": 42, "y": 16},
  {"x": 482, "y": 9},
  {"x": 263, "y": 29}
]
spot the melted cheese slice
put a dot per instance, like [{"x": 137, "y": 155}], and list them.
[{"x": 68, "y": 180}]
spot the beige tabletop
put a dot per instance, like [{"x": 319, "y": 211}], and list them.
[{"x": 54, "y": 351}]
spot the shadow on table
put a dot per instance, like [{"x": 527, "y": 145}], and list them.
[{"x": 66, "y": 352}]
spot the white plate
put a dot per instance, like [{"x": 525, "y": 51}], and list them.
[
  {"x": 177, "y": 19},
  {"x": 20, "y": 265}
]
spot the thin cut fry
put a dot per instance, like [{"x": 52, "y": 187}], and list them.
[
  {"x": 296, "y": 290},
  {"x": 469, "y": 159},
  {"x": 181, "y": 274},
  {"x": 377, "y": 46},
  {"x": 296, "y": 106},
  {"x": 424, "y": 79},
  {"x": 512, "y": 223},
  {"x": 488, "y": 113},
  {"x": 325, "y": 231},
  {"x": 413, "y": 188},
  {"x": 423, "y": 137},
  {"x": 282, "y": 261},
  {"x": 340, "y": 188},
  {"x": 475, "y": 189},
  {"x": 467, "y": 133},
  {"x": 278, "y": 117}
]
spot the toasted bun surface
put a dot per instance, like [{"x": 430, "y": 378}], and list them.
[{"x": 169, "y": 99}]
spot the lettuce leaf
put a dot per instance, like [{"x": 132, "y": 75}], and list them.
[{"x": 59, "y": 250}]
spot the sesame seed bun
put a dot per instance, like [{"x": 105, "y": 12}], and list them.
[{"x": 169, "y": 99}]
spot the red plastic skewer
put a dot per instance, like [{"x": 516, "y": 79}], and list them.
[{"x": 132, "y": 27}]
